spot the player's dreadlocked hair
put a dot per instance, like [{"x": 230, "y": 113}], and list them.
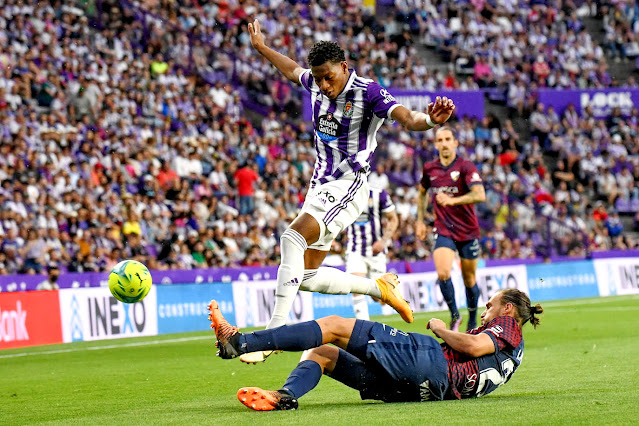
[
  {"x": 325, "y": 51},
  {"x": 521, "y": 302}
]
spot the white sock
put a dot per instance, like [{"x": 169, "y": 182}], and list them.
[
  {"x": 289, "y": 275},
  {"x": 333, "y": 281},
  {"x": 360, "y": 304}
]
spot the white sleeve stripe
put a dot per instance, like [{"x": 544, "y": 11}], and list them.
[{"x": 391, "y": 109}]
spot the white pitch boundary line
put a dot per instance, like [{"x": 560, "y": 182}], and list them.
[
  {"x": 95, "y": 348},
  {"x": 593, "y": 301}
]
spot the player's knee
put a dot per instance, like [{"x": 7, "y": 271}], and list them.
[
  {"x": 292, "y": 242},
  {"x": 325, "y": 355},
  {"x": 330, "y": 326},
  {"x": 330, "y": 320},
  {"x": 443, "y": 275},
  {"x": 469, "y": 279}
]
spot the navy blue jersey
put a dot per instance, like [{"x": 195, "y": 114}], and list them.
[{"x": 470, "y": 377}]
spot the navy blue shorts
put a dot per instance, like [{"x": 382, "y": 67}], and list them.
[
  {"x": 467, "y": 249},
  {"x": 387, "y": 364}
]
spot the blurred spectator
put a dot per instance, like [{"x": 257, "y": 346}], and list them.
[
  {"x": 245, "y": 179},
  {"x": 614, "y": 225},
  {"x": 51, "y": 283}
]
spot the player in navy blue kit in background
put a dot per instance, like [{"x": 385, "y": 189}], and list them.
[
  {"x": 456, "y": 186},
  {"x": 385, "y": 363}
]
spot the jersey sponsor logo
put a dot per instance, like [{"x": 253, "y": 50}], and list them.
[
  {"x": 447, "y": 189},
  {"x": 475, "y": 177},
  {"x": 348, "y": 109},
  {"x": 424, "y": 391},
  {"x": 388, "y": 98},
  {"x": 469, "y": 385},
  {"x": 362, "y": 219},
  {"x": 454, "y": 175},
  {"x": 325, "y": 197},
  {"x": 394, "y": 332},
  {"x": 327, "y": 127},
  {"x": 496, "y": 330}
]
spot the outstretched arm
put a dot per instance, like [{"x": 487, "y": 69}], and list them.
[
  {"x": 474, "y": 345},
  {"x": 288, "y": 67},
  {"x": 438, "y": 113}
]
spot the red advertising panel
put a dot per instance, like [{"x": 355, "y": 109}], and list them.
[{"x": 29, "y": 318}]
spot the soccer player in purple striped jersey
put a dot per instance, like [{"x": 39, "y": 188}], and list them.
[
  {"x": 456, "y": 187},
  {"x": 368, "y": 239},
  {"x": 347, "y": 112}
]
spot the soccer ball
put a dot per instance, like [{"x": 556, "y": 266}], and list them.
[{"x": 130, "y": 281}]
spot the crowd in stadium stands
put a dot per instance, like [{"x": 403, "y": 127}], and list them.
[
  {"x": 108, "y": 150},
  {"x": 510, "y": 46},
  {"x": 621, "y": 24},
  {"x": 378, "y": 47}
]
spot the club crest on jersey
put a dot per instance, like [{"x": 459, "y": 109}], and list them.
[
  {"x": 454, "y": 175},
  {"x": 327, "y": 127},
  {"x": 348, "y": 109}
]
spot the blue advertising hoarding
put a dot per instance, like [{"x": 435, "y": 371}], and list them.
[
  {"x": 340, "y": 304},
  {"x": 183, "y": 307},
  {"x": 564, "y": 280}
]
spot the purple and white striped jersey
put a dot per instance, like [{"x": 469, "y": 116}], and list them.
[
  {"x": 367, "y": 229},
  {"x": 345, "y": 127}
]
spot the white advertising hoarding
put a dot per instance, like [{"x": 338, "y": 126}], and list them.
[
  {"x": 94, "y": 314},
  {"x": 617, "y": 276},
  {"x": 254, "y": 302},
  {"x": 423, "y": 293}
]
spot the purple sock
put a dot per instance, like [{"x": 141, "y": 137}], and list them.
[
  {"x": 296, "y": 337},
  {"x": 303, "y": 379}
]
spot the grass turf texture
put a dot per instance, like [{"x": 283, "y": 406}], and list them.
[{"x": 580, "y": 366}]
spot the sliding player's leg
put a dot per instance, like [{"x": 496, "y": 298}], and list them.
[{"x": 297, "y": 337}]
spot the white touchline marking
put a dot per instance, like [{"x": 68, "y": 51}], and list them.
[
  {"x": 594, "y": 301},
  {"x": 95, "y": 348}
]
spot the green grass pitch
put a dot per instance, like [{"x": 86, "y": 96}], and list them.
[{"x": 580, "y": 366}]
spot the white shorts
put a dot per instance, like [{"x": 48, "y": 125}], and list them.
[
  {"x": 372, "y": 266},
  {"x": 335, "y": 205}
]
